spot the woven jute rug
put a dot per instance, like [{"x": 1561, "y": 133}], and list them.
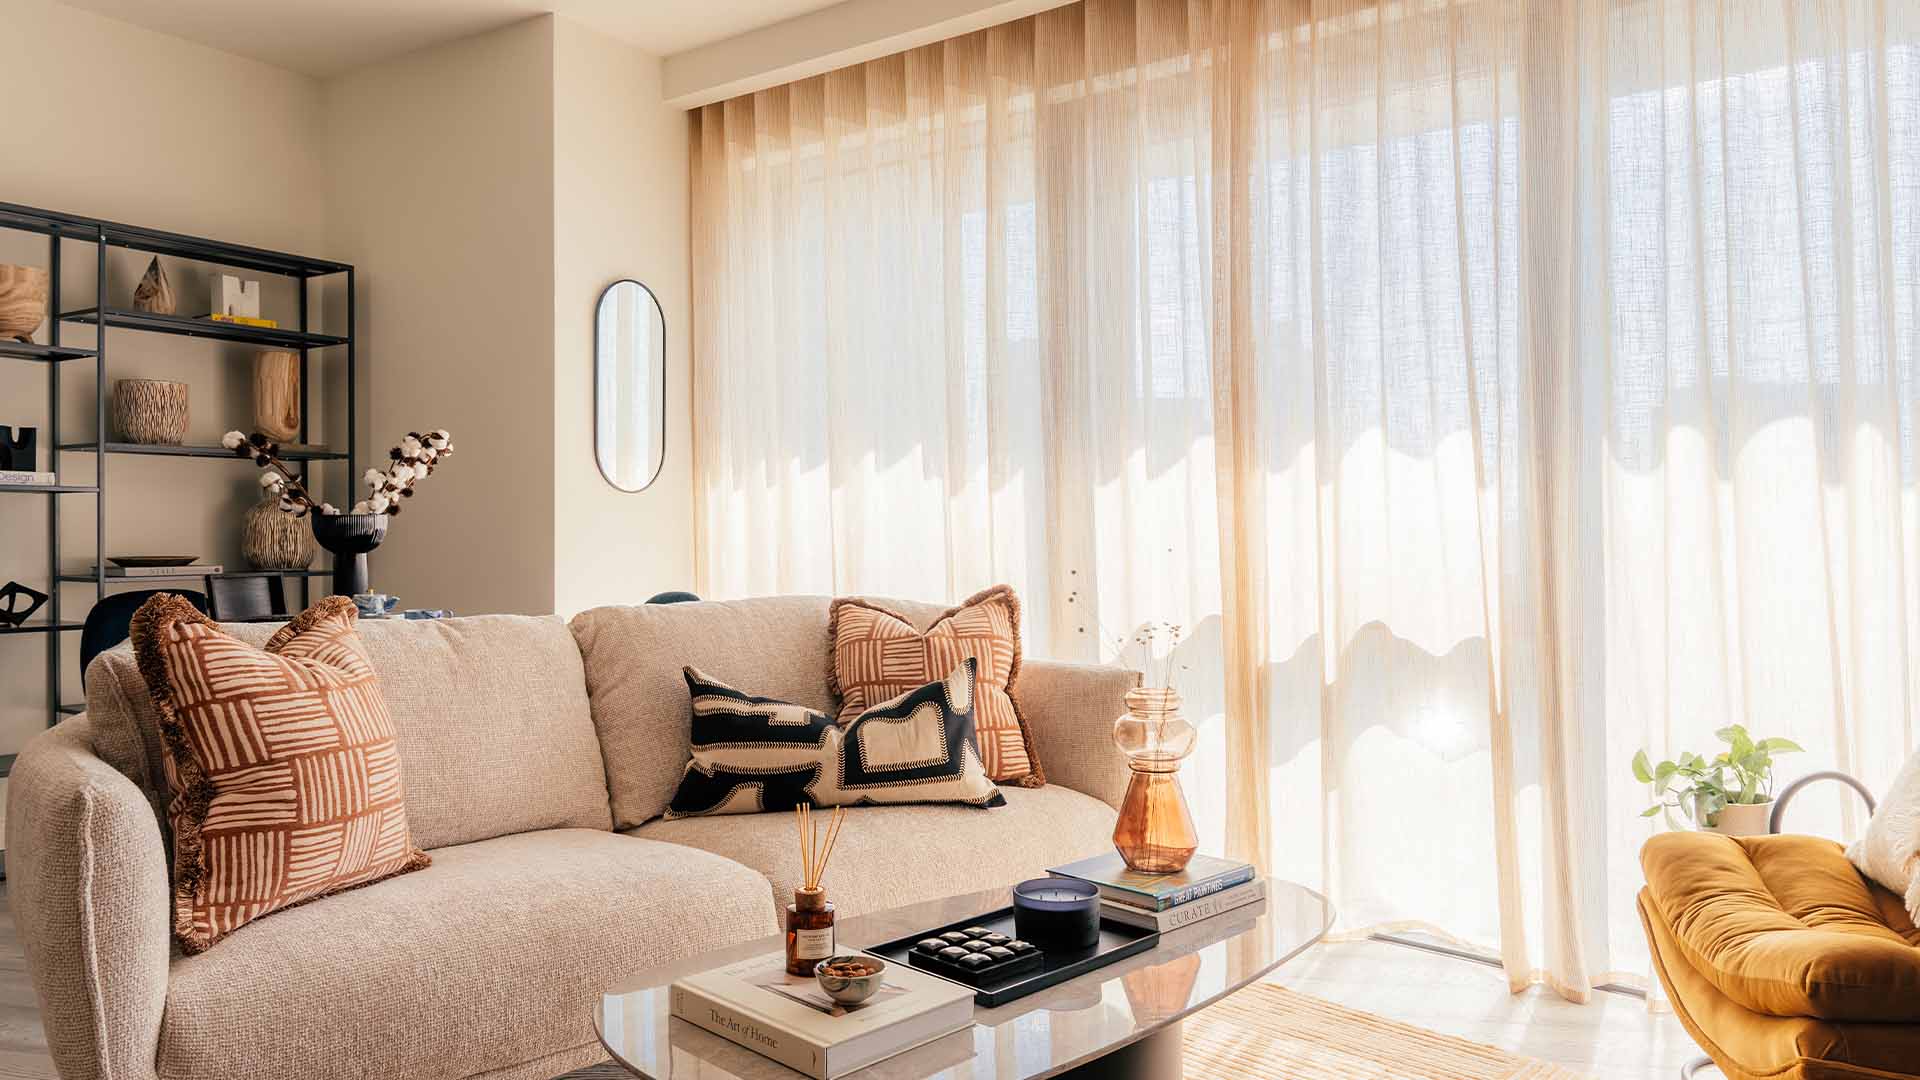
[{"x": 1266, "y": 1032}]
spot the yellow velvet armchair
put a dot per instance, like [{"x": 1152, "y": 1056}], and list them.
[{"x": 1781, "y": 960}]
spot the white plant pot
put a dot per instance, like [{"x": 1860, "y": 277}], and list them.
[{"x": 1748, "y": 819}]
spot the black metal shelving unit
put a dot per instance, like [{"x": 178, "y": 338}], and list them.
[{"x": 106, "y": 322}]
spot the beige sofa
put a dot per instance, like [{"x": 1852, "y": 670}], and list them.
[{"x": 538, "y": 756}]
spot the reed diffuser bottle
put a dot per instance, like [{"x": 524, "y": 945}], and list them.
[{"x": 810, "y": 916}]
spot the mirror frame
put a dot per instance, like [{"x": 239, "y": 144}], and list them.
[{"x": 662, "y": 312}]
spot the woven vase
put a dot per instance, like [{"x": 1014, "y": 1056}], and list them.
[
  {"x": 273, "y": 540},
  {"x": 23, "y": 301},
  {"x": 150, "y": 411}
]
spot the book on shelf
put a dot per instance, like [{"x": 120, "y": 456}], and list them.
[
  {"x": 756, "y": 1004},
  {"x": 194, "y": 570},
  {"x": 246, "y": 320},
  {"x": 1239, "y": 896},
  {"x": 25, "y": 476},
  {"x": 1204, "y": 876}
]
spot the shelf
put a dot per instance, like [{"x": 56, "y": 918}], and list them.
[
  {"x": 287, "y": 453},
  {"x": 123, "y": 319},
  {"x": 159, "y": 242},
  {"x": 52, "y": 489},
  {"x": 186, "y": 574},
  {"x": 27, "y": 350},
  {"x": 40, "y": 628},
  {"x": 72, "y": 710}
]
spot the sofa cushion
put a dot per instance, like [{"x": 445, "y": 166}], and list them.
[
  {"x": 1784, "y": 926},
  {"x": 752, "y": 754},
  {"x": 891, "y": 855},
  {"x": 285, "y": 780},
  {"x": 490, "y": 714},
  {"x": 776, "y": 646},
  {"x": 879, "y": 654},
  {"x": 492, "y": 956}
]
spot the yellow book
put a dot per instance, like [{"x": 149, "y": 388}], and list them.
[{"x": 265, "y": 324}]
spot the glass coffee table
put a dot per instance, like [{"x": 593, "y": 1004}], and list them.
[{"x": 1122, "y": 1020}]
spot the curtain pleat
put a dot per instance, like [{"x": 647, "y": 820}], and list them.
[{"x": 1487, "y": 389}]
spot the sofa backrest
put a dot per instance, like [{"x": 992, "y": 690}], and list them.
[
  {"x": 774, "y": 646},
  {"x": 490, "y": 716}
]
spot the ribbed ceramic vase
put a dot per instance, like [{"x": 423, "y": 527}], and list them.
[
  {"x": 1155, "y": 833},
  {"x": 349, "y": 537}
]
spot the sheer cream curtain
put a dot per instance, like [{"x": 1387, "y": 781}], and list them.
[{"x": 1491, "y": 387}]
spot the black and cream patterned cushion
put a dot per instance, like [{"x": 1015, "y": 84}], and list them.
[{"x": 753, "y": 753}]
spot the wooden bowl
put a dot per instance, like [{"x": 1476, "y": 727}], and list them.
[{"x": 23, "y": 301}]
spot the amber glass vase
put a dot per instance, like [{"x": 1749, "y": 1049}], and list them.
[{"x": 1155, "y": 833}]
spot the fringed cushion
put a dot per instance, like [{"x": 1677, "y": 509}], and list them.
[
  {"x": 284, "y": 781},
  {"x": 878, "y": 655},
  {"x": 756, "y": 753}
]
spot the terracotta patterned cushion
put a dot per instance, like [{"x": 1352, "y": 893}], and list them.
[
  {"x": 878, "y": 655},
  {"x": 280, "y": 762}
]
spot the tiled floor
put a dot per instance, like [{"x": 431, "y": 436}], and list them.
[{"x": 1615, "y": 1038}]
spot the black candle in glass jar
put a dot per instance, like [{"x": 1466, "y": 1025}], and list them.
[{"x": 1057, "y": 914}]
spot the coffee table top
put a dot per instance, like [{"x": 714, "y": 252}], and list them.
[{"x": 1037, "y": 1036}]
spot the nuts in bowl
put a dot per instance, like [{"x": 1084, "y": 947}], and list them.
[{"x": 850, "y": 979}]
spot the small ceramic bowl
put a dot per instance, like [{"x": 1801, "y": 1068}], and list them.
[{"x": 851, "y": 989}]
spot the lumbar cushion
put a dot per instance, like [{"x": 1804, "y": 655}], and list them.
[
  {"x": 758, "y": 753},
  {"x": 1889, "y": 851},
  {"x": 878, "y": 655},
  {"x": 283, "y": 776}
]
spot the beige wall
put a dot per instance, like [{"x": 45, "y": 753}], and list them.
[
  {"x": 112, "y": 121},
  {"x": 619, "y": 211},
  {"x": 486, "y": 189},
  {"x": 440, "y": 182}
]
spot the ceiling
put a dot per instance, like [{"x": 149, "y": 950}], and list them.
[{"x": 325, "y": 37}]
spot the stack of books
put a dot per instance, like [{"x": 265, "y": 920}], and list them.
[
  {"x": 1207, "y": 887},
  {"x": 757, "y": 1004}
]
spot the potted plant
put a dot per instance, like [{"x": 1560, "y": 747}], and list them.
[{"x": 1730, "y": 793}]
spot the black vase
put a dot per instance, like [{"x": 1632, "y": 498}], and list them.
[{"x": 349, "y": 537}]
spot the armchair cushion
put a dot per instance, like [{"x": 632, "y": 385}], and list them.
[
  {"x": 1889, "y": 851},
  {"x": 1785, "y": 926}
]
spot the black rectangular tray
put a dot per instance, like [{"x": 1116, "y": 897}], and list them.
[{"x": 1117, "y": 942}]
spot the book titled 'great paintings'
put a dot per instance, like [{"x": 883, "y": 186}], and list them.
[
  {"x": 756, "y": 1004},
  {"x": 1245, "y": 894},
  {"x": 1204, "y": 876}
]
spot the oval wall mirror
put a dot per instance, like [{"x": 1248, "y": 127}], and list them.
[{"x": 629, "y": 385}]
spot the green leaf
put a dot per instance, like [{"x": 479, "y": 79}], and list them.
[
  {"x": 1641, "y": 771},
  {"x": 1652, "y": 810},
  {"x": 1781, "y": 746},
  {"x": 1664, "y": 772}
]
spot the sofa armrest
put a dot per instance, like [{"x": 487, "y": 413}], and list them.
[
  {"x": 1070, "y": 709},
  {"x": 87, "y": 879}
]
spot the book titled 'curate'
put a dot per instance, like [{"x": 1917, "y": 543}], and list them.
[{"x": 756, "y": 1004}]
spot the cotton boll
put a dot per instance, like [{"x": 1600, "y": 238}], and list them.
[
  {"x": 271, "y": 481},
  {"x": 362, "y": 507},
  {"x": 374, "y": 478},
  {"x": 410, "y": 446},
  {"x": 379, "y": 503},
  {"x": 233, "y": 440}
]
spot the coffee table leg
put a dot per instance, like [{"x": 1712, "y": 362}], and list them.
[{"x": 1156, "y": 1057}]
